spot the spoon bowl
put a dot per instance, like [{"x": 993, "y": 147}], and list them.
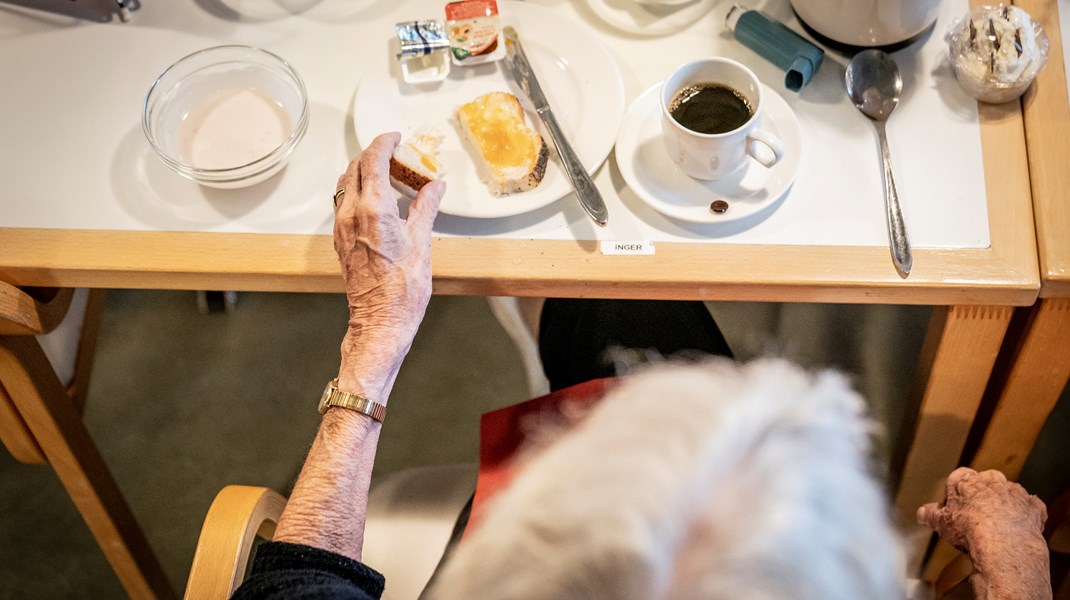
[{"x": 874, "y": 86}]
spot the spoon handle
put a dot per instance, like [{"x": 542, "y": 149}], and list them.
[{"x": 897, "y": 230}]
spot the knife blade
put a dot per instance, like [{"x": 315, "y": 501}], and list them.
[{"x": 517, "y": 64}]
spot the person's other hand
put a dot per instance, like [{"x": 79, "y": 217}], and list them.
[
  {"x": 1001, "y": 527},
  {"x": 984, "y": 510},
  {"x": 386, "y": 265}
]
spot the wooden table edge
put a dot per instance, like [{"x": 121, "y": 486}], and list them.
[
  {"x": 1047, "y": 117},
  {"x": 262, "y": 262}
]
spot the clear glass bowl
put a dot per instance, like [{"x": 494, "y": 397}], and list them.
[{"x": 227, "y": 117}]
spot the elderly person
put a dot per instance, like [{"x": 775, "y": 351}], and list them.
[{"x": 708, "y": 480}]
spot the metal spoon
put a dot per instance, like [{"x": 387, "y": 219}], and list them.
[{"x": 874, "y": 86}]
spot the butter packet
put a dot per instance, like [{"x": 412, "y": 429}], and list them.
[
  {"x": 474, "y": 31},
  {"x": 424, "y": 46}
]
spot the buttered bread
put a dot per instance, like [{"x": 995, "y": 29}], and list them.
[
  {"x": 415, "y": 162},
  {"x": 514, "y": 155}
]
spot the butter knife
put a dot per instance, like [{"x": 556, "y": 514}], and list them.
[{"x": 519, "y": 67}]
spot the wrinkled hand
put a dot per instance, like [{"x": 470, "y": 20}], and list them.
[
  {"x": 386, "y": 266},
  {"x": 1001, "y": 527},
  {"x": 982, "y": 506}
]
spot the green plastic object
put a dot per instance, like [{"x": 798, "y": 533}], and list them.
[{"x": 777, "y": 44}]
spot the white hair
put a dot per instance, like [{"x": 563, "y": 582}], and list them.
[{"x": 714, "y": 481}]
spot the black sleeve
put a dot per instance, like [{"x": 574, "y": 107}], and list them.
[{"x": 293, "y": 571}]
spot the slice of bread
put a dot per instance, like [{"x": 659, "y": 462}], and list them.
[
  {"x": 414, "y": 163},
  {"x": 514, "y": 155}
]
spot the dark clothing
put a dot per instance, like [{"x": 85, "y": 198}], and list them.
[
  {"x": 292, "y": 571},
  {"x": 577, "y": 335},
  {"x": 574, "y": 337}
]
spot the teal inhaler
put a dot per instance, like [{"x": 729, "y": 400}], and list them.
[{"x": 777, "y": 44}]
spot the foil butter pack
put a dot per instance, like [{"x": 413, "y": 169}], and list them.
[
  {"x": 424, "y": 50},
  {"x": 474, "y": 32}
]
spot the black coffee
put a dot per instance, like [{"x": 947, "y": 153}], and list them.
[{"x": 710, "y": 108}]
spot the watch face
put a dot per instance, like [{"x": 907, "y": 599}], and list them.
[{"x": 323, "y": 400}]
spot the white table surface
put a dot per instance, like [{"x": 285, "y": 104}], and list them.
[{"x": 74, "y": 155}]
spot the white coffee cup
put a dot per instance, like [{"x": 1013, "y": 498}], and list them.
[{"x": 716, "y": 155}]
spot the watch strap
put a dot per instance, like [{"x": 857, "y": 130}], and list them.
[{"x": 332, "y": 396}]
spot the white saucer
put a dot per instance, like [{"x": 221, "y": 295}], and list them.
[
  {"x": 658, "y": 181},
  {"x": 650, "y": 19}
]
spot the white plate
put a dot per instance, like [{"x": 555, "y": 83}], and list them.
[
  {"x": 580, "y": 78},
  {"x": 658, "y": 181},
  {"x": 650, "y": 19}
]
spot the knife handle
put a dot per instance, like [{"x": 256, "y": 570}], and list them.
[{"x": 589, "y": 196}]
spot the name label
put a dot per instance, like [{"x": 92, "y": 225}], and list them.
[{"x": 632, "y": 248}]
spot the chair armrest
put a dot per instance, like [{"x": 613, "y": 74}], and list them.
[
  {"x": 238, "y": 514},
  {"x": 23, "y": 313},
  {"x": 15, "y": 434}
]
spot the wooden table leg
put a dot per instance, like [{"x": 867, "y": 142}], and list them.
[
  {"x": 960, "y": 350},
  {"x": 1037, "y": 373},
  {"x": 57, "y": 426},
  {"x": 1037, "y": 377}
]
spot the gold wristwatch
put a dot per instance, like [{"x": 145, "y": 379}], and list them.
[{"x": 332, "y": 396}]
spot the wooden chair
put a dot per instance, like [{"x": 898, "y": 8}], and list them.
[
  {"x": 1057, "y": 531},
  {"x": 47, "y": 339},
  {"x": 411, "y": 516}
]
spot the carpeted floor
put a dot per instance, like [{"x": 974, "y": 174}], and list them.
[{"x": 182, "y": 404}]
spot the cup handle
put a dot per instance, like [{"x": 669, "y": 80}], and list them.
[{"x": 765, "y": 147}]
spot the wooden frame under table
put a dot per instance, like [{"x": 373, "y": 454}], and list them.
[{"x": 976, "y": 287}]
